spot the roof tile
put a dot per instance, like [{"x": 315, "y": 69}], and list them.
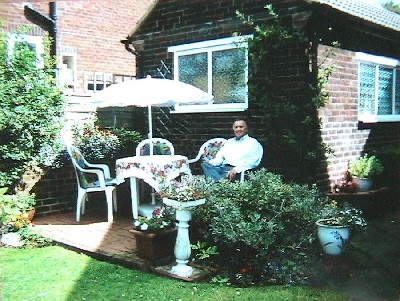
[{"x": 365, "y": 11}]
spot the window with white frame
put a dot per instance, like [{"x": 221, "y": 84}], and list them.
[
  {"x": 35, "y": 43},
  {"x": 379, "y": 89},
  {"x": 219, "y": 67}
]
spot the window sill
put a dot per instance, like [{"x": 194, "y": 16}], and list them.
[
  {"x": 182, "y": 110},
  {"x": 376, "y": 119}
]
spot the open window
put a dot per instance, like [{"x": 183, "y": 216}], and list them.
[
  {"x": 219, "y": 67},
  {"x": 379, "y": 89}
]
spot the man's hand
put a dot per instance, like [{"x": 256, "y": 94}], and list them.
[{"x": 232, "y": 175}]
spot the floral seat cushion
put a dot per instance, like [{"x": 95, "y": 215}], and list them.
[
  {"x": 212, "y": 149},
  {"x": 159, "y": 148}
]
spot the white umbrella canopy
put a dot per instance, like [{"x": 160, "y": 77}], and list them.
[{"x": 148, "y": 92}]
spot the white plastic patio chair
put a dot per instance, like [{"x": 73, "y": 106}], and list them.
[
  {"x": 152, "y": 146},
  {"x": 92, "y": 178},
  {"x": 161, "y": 146},
  {"x": 209, "y": 149}
]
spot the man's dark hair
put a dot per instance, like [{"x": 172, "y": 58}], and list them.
[{"x": 241, "y": 118}]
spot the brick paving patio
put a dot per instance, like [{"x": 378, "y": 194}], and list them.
[{"x": 106, "y": 241}]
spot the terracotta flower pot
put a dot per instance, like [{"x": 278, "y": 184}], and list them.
[
  {"x": 155, "y": 246},
  {"x": 31, "y": 213}
]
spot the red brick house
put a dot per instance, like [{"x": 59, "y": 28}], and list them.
[
  {"x": 182, "y": 39},
  {"x": 194, "y": 39}
]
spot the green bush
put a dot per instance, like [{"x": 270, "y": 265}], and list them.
[
  {"x": 264, "y": 226},
  {"x": 32, "y": 111},
  {"x": 13, "y": 210}
]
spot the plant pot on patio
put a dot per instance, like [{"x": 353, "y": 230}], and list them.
[
  {"x": 332, "y": 238},
  {"x": 363, "y": 184},
  {"x": 155, "y": 246},
  {"x": 31, "y": 213}
]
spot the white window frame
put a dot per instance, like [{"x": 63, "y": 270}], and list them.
[
  {"x": 36, "y": 40},
  {"x": 378, "y": 61},
  {"x": 210, "y": 46}
]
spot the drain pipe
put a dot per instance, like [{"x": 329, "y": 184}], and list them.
[{"x": 48, "y": 23}]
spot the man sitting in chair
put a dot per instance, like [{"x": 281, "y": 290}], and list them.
[{"x": 238, "y": 154}]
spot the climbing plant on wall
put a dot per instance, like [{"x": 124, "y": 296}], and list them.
[{"x": 287, "y": 94}]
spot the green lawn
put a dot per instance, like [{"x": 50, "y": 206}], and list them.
[{"x": 56, "y": 274}]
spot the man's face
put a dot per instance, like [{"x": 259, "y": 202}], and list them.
[{"x": 239, "y": 129}]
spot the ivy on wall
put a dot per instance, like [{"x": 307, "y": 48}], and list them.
[{"x": 287, "y": 95}]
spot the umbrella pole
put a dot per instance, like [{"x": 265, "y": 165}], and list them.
[
  {"x": 150, "y": 135},
  {"x": 153, "y": 194}
]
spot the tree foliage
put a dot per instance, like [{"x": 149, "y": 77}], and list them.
[{"x": 32, "y": 109}]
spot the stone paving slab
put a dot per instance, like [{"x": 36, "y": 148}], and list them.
[{"x": 370, "y": 269}]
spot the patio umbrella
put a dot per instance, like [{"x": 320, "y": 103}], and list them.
[{"x": 148, "y": 92}]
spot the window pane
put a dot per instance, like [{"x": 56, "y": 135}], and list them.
[
  {"x": 385, "y": 91},
  {"x": 193, "y": 70},
  {"x": 228, "y": 76},
  {"x": 367, "y": 89},
  {"x": 397, "y": 92}
]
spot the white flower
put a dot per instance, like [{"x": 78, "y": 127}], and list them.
[
  {"x": 144, "y": 227},
  {"x": 137, "y": 223}
]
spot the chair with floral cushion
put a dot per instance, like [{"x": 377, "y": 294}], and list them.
[
  {"x": 148, "y": 147},
  {"x": 209, "y": 149},
  {"x": 92, "y": 178}
]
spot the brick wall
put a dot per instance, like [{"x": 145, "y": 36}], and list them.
[
  {"x": 341, "y": 129},
  {"x": 175, "y": 22},
  {"x": 92, "y": 29}
]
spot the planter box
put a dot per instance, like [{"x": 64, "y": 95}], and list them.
[
  {"x": 155, "y": 246},
  {"x": 373, "y": 202}
]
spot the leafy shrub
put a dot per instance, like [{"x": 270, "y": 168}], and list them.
[
  {"x": 13, "y": 210},
  {"x": 33, "y": 239},
  {"x": 264, "y": 226},
  {"x": 32, "y": 110}
]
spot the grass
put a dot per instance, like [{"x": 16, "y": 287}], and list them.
[{"x": 54, "y": 273}]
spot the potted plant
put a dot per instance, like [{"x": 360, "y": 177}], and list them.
[
  {"x": 335, "y": 225},
  {"x": 364, "y": 169},
  {"x": 155, "y": 235},
  {"x": 188, "y": 191}
]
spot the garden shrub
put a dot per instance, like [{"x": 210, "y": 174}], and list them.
[
  {"x": 264, "y": 226},
  {"x": 32, "y": 111}
]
